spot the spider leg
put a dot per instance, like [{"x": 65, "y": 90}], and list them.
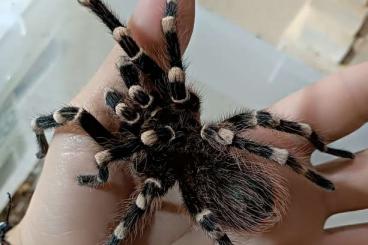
[
  {"x": 153, "y": 188},
  {"x": 179, "y": 92},
  {"x": 131, "y": 77},
  {"x": 121, "y": 34},
  {"x": 131, "y": 108},
  {"x": 206, "y": 219},
  {"x": 124, "y": 108},
  {"x": 157, "y": 136},
  {"x": 61, "y": 117},
  {"x": 149, "y": 138},
  {"x": 103, "y": 158},
  {"x": 251, "y": 119},
  {"x": 128, "y": 71},
  {"x": 282, "y": 157},
  {"x": 94, "y": 181},
  {"x": 176, "y": 76},
  {"x": 112, "y": 22},
  {"x": 175, "y": 79}
]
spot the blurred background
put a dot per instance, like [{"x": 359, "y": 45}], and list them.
[{"x": 268, "y": 49}]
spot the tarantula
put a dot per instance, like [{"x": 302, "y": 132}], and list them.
[
  {"x": 161, "y": 135},
  {"x": 5, "y": 226}
]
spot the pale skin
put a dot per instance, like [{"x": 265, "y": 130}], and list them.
[{"x": 61, "y": 212}]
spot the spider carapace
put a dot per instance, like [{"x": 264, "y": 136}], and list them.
[{"x": 165, "y": 143}]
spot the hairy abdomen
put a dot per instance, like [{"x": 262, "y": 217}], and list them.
[{"x": 242, "y": 195}]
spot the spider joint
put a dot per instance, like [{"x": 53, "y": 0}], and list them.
[
  {"x": 123, "y": 62},
  {"x": 176, "y": 74},
  {"x": 279, "y": 155},
  {"x": 226, "y": 135},
  {"x": 35, "y": 127},
  {"x": 103, "y": 157},
  {"x": 138, "y": 55},
  {"x": 120, "y": 231},
  {"x": 253, "y": 120},
  {"x": 127, "y": 114},
  {"x": 181, "y": 101},
  {"x": 172, "y": 132},
  {"x": 306, "y": 129},
  {"x": 141, "y": 201},
  {"x": 120, "y": 32},
  {"x": 203, "y": 131},
  {"x": 59, "y": 118},
  {"x": 149, "y": 137},
  {"x": 137, "y": 93},
  {"x": 67, "y": 114},
  {"x": 200, "y": 216},
  {"x": 154, "y": 181},
  {"x": 222, "y": 136},
  {"x": 168, "y": 24},
  {"x": 154, "y": 112}
]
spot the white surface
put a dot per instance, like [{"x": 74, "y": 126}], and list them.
[
  {"x": 235, "y": 68},
  {"x": 11, "y": 13}
]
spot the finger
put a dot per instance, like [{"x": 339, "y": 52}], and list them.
[
  {"x": 350, "y": 179},
  {"x": 352, "y": 235},
  {"x": 335, "y": 106}
]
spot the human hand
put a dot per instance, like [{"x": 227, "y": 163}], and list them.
[
  {"x": 334, "y": 106},
  {"x": 61, "y": 212}
]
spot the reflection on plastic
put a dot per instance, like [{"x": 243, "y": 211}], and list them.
[{"x": 11, "y": 16}]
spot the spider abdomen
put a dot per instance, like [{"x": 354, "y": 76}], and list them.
[{"x": 241, "y": 195}]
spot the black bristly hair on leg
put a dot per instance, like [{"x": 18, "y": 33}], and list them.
[
  {"x": 5, "y": 226},
  {"x": 205, "y": 218},
  {"x": 152, "y": 188},
  {"x": 64, "y": 116},
  {"x": 113, "y": 23},
  {"x": 252, "y": 119},
  {"x": 39, "y": 125},
  {"x": 122, "y": 35},
  {"x": 267, "y": 120},
  {"x": 176, "y": 76},
  {"x": 170, "y": 32},
  {"x": 128, "y": 72},
  {"x": 163, "y": 142},
  {"x": 282, "y": 157},
  {"x": 105, "y": 157},
  {"x": 178, "y": 90},
  {"x": 175, "y": 79},
  {"x": 131, "y": 77},
  {"x": 113, "y": 98},
  {"x": 207, "y": 221},
  {"x": 124, "y": 107}
]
